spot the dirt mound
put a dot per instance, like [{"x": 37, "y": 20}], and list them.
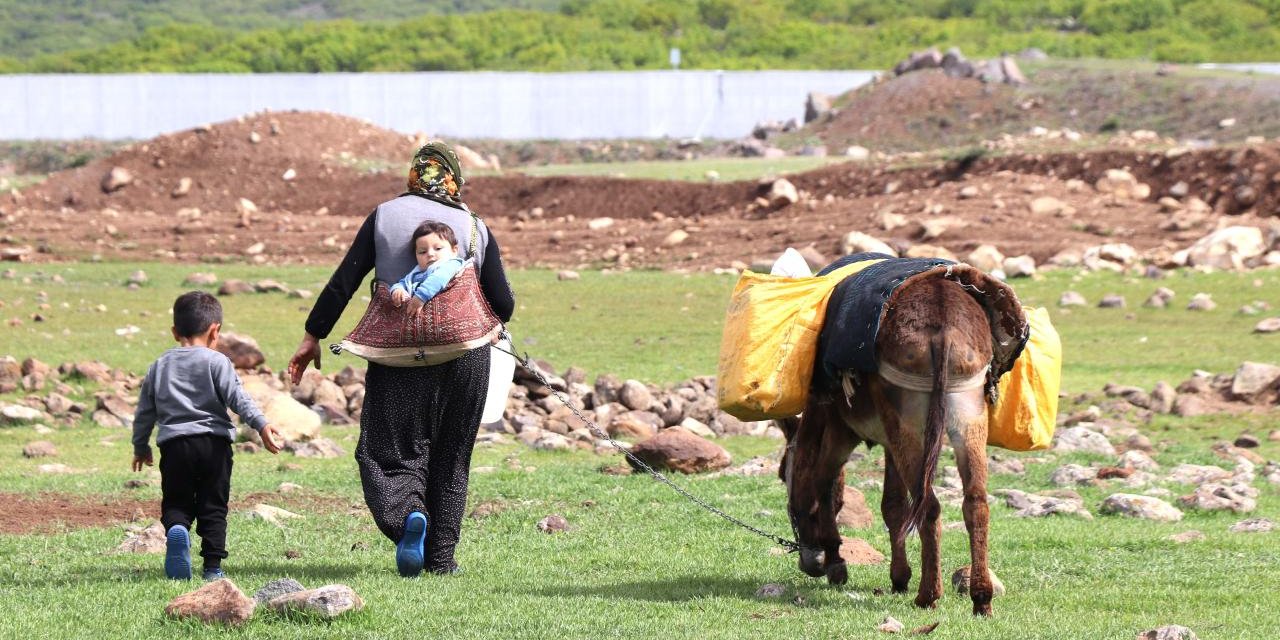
[
  {"x": 243, "y": 158},
  {"x": 921, "y": 110},
  {"x": 48, "y": 512}
]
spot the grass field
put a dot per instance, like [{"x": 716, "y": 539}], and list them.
[{"x": 638, "y": 561}]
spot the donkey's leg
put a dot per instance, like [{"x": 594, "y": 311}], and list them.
[
  {"x": 816, "y": 457},
  {"x": 930, "y": 553},
  {"x": 970, "y": 446},
  {"x": 838, "y": 442},
  {"x": 894, "y": 507}
]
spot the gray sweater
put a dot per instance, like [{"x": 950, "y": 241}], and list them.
[{"x": 187, "y": 392}]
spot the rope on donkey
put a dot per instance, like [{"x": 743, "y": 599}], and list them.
[{"x": 527, "y": 363}]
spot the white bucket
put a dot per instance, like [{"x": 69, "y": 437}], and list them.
[{"x": 502, "y": 370}]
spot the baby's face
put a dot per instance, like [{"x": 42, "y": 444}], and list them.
[{"x": 431, "y": 248}]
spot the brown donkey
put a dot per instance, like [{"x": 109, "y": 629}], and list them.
[{"x": 933, "y": 350}]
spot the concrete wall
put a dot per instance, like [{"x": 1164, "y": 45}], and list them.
[{"x": 643, "y": 104}]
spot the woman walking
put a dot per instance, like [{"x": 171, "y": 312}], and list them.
[{"x": 418, "y": 425}]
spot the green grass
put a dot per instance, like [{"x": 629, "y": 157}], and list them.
[
  {"x": 691, "y": 170},
  {"x": 639, "y": 561}
]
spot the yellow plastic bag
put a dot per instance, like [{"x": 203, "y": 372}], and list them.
[
  {"x": 770, "y": 342},
  {"x": 1024, "y": 416}
]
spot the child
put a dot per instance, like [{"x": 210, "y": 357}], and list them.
[
  {"x": 186, "y": 393},
  {"x": 436, "y": 248}
]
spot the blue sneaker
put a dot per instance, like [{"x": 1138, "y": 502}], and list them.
[
  {"x": 177, "y": 554},
  {"x": 409, "y": 549},
  {"x": 213, "y": 574}
]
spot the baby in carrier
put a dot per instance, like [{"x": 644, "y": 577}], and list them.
[{"x": 436, "y": 249}]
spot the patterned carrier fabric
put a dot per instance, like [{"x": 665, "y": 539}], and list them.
[{"x": 459, "y": 314}]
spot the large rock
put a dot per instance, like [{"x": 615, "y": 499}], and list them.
[
  {"x": 292, "y": 419},
  {"x": 854, "y": 513},
  {"x": 316, "y": 448},
  {"x": 1197, "y": 474},
  {"x": 1168, "y": 632},
  {"x": 635, "y": 395},
  {"x": 1228, "y": 248},
  {"x": 220, "y": 601},
  {"x": 148, "y": 540},
  {"x": 1145, "y": 507},
  {"x": 1082, "y": 439},
  {"x": 782, "y": 194},
  {"x": 242, "y": 350},
  {"x": 986, "y": 258},
  {"x": 679, "y": 450},
  {"x": 960, "y": 581},
  {"x": 1030, "y": 505},
  {"x": 1236, "y": 497},
  {"x": 277, "y": 588},
  {"x": 859, "y": 551},
  {"x": 816, "y": 105},
  {"x": 1023, "y": 266},
  {"x": 1254, "y": 378},
  {"x": 39, "y": 449},
  {"x": 1069, "y": 475},
  {"x": 858, "y": 242},
  {"x": 329, "y": 601},
  {"x": 116, "y": 179},
  {"x": 19, "y": 414}
]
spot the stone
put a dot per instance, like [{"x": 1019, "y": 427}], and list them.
[
  {"x": 599, "y": 224},
  {"x": 635, "y": 395},
  {"x": 816, "y": 105},
  {"x": 1073, "y": 474},
  {"x": 1253, "y": 525},
  {"x": 857, "y": 153},
  {"x": 1030, "y": 505},
  {"x": 19, "y": 414},
  {"x": 219, "y": 601},
  {"x": 116, "y": 179},
  {"x": 679, "y": 450},
  {"x": 1228, "y": 248},
  {"x": 1247, "y": 441},
  {"x": 277, "y": 588},
  {"x": 890, "y": 625},
  {"x": 1163, "y": 397},
  {"x": 1071, "y": 299},
  {"x": 1050, "y": 206},
  {"x": 267, "y": 285},
  {"x": 182, "y": 188},
  {"x": 144, "y": 540},
  {"x": 274, "y": 515},
  {"x": 858, "y": 242},
  {"x": 1196, "y": 474},
  {"x": 1112, "y": 301},
  {"x": 553, "y": 523},
  {"x": 292, "y": 419},
  {"x": 243, "y": 350},
  {"x": 1023, "y": 266},
  {"x": 676, "y": 237},
  {"x": 1202, "y": 302},
  {"x": 771, "y": 590},
  {"x": 1237, "y": 497},
  {"x": 854, "y": 512},
  {"x": 782, "y": 194},
  {"x": 1137, "y": 506},
  {"x": 1136, "y": 459},
  {"x": 1084, "y": 440},
  {"x": 1268, "y": 325},
  {"x": 1253, "y": 378},
  {"x": 234, "y": 287},
  {"x": 39, "y": 449},
  {"x": 697, "y": 428},
  {"x": 1188, "y": 406},
  {"x": 960, "y": 581},
  {"x": 636, "y": 425},
  {"x": 200, "y": 279},
  {"x": 317, "y": 448},
  {"x": 329, "y": 601},
  {"x": 1168, "y": 632},
  {"x": 1187, "y": 536},
  {"x": 986, "y": 257},
  {"x": 860, "y": 552}
]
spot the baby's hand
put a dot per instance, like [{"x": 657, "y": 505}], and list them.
[
  {"x": 415, "y": 305},
  {"x": 270, "y": 439},
  {"x": 398, "y": 296},
  {"x": 138, "y": 461}
]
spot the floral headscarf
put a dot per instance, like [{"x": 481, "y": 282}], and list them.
[{"x": 436, "y": 173}]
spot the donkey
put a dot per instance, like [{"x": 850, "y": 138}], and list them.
[{"x": 934, "y": 356}]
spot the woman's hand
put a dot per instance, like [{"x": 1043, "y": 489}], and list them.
[{"x": 308, "y": 352}]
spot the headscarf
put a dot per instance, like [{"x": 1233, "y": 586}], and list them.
[{"x": 435, "y": 173}]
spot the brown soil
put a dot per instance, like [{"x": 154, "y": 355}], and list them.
[
  {"x": 50, "y": 512},
  {"x": 311, "y": 218}
]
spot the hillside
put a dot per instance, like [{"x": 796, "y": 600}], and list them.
[{"x": 286, "y": 35}]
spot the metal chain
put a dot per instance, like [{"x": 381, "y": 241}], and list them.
[{"x": 531, "y": 368}]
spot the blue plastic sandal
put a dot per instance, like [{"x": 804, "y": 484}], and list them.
[
  {"x": 177, "y": 554},
  {"x": 409, "y": 549}
]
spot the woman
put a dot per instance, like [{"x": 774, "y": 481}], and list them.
[{"x": 418, "y": 425}]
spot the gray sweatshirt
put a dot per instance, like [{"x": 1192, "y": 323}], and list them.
[{"x": 186, "y": 392}]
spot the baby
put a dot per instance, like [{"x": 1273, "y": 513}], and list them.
[{"x": 436, "y": 249}]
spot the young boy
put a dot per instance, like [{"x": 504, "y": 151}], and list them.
[
  {"x": 186, "y": 393},
  {"x": 436, "y": 248}
]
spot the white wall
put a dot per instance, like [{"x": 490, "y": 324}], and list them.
[{"x": 642, "y": 104}]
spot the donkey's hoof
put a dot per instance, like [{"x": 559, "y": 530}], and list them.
[
  {"x": 927, "y": 602},
  {"x": 811, "y": 564},
  {"x": 983, "y": 610},
  {"x": 838, "y": 573}
]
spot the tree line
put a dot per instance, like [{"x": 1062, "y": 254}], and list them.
[{"x": 575, "y": 35}]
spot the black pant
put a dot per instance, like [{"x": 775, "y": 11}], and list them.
[
  {"x": 195, "y": 484},
  {"x": 417, "y": 429}
]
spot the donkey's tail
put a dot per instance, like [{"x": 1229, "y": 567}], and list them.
[{"x": 935, "y": 424}]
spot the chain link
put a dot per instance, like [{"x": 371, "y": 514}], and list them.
[{"x": 600, "y": 433}]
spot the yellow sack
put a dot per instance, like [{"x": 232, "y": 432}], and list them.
[
  {"x": 1024, "y": 416},
  {"x": 770, "y": 342}
]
